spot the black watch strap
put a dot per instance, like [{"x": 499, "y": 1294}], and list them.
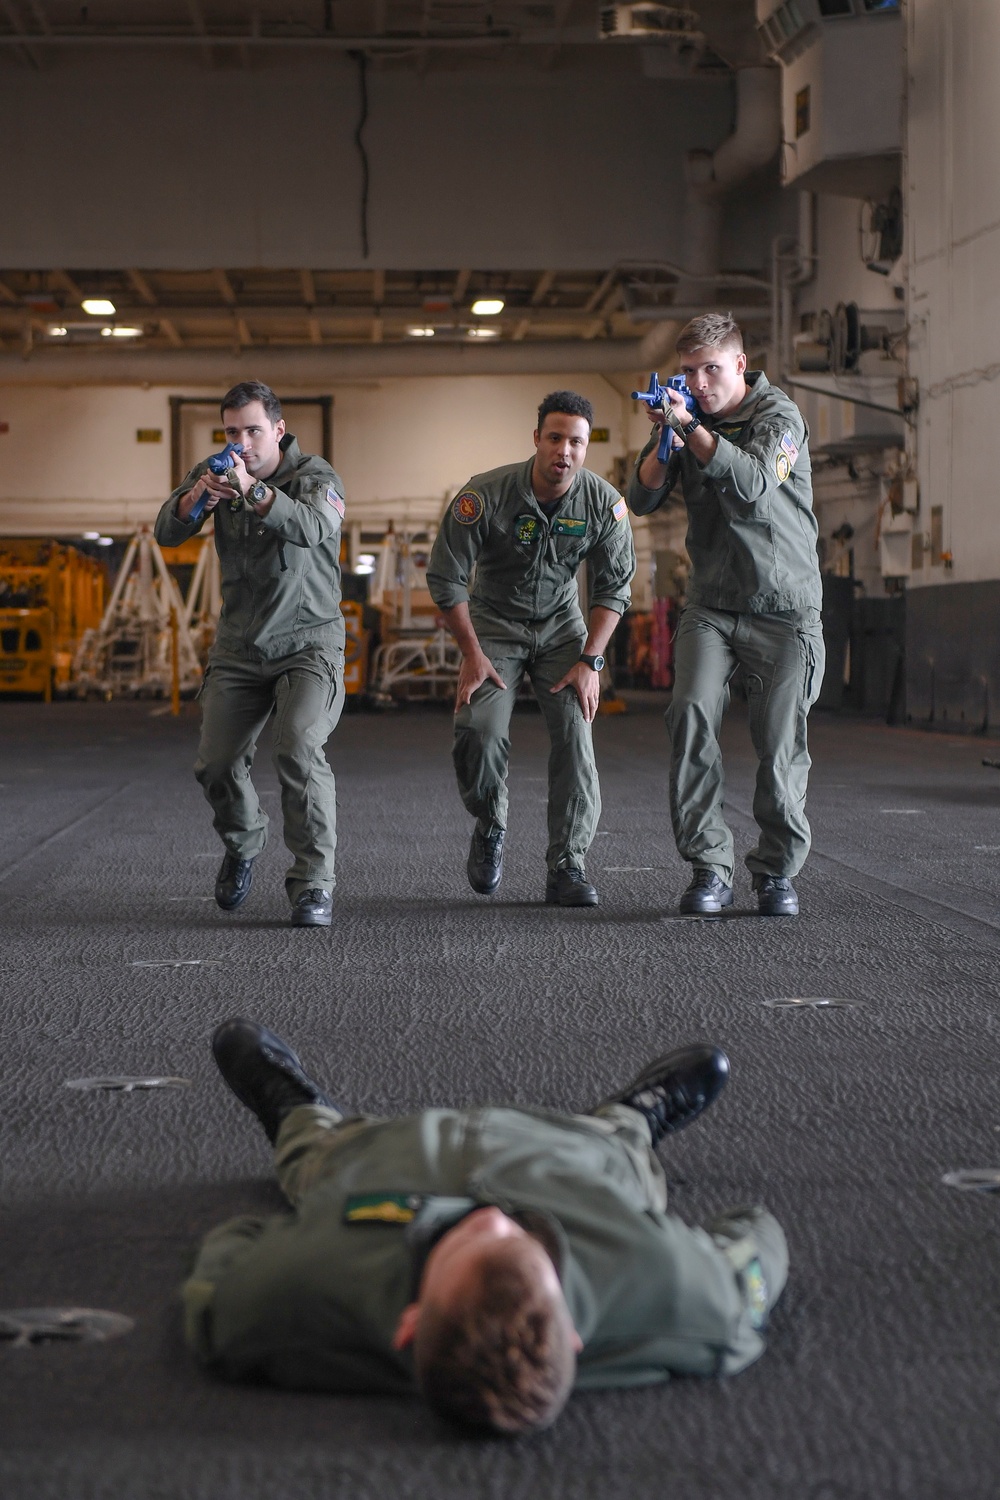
[
  {"x": 595, "y": 663},
  {"x": 693, "y": 425}
]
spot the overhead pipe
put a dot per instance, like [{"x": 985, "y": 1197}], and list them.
[
  {"x": 709, "y": 176},
  {"x": 290, "y": 368}
]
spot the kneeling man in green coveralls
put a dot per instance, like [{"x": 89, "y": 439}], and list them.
[
  {"x": 491, "y": 1259},
  {"x": 754, "y": 600},
  {"x": 279, "y": 648},
  {"x": 524, "y": 531}
]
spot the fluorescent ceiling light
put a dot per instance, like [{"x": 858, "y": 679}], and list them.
[
  {"x": 58, "y": 333},
  {"x": 91, "y": 536},
  {"x": 105, "y": 541},
  {"x": 98, "y": 307},
  {"x": 484, "y": 333},
  {"x": 122, "y": 332},
  {"x": 420, "y": 333},
  {"x": 487, "y": 307}
]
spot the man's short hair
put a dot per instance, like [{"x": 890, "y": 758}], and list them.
[
  {"x": 710, "y": 331},
  {"x": 252, "y": 390},
  {"x": 568, "y": 402},
  {"x": 505, "y": 1363}
]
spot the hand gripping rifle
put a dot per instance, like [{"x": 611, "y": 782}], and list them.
[
  {"x": 657, "y": 396},
  {"x": 220, "y": 463}
]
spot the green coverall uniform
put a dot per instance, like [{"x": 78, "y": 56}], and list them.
[
  {"x": 310, "y": 1300},
  {"x": 753, "y": 601},
  {"x": 279, "y": 648},
  {"x": 525, "y": 609}
]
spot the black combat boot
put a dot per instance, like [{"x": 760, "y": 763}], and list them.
[
  {"x": 672, "y": 1091},
  {"x": 568, "y": 886},
  {"x": 313, "y": 909},
  {"x": 707, "y": 893},
  {"x": 263, "y": 1072},
  {"x": 485, "y": 865},
  {"x": 233, "y": 882},
  {"x": 775, "y": 896}
]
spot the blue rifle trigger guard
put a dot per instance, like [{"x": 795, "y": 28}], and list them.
[{"x": 219, "y": 463}]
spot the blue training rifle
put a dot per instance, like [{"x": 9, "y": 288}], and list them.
[
  {"x": 657, "y": 396},
  {"x": 219, "y": 463}
]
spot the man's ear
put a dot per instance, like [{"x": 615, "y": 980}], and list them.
[{"x": 406, "y": 1328}]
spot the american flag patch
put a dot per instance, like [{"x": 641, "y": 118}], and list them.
[
  {"x": 334, "y": 499},
  {"x": 788, "y": 445},
  {"x": 620, "y": 511}
]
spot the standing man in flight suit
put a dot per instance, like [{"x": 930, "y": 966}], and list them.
[
  {"x": 525, "y": 529},
  {"x": 753, "y": 601},
  {"x": 490, "y": 1258},
  {"x": 279, "y": 647}
]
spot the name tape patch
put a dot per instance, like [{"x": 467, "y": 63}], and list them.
[
  {"x": 382, "y": 1208},
  {"x": 467, "y": 508}
]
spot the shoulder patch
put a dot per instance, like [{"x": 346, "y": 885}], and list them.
[
  {"x": 332, "y": 498},
  {"x": 467, "y": 508},
  {"x": 620, "y": 510},
  {"x": 788, "y": 446},
  {"x": 382, "y": 1208},
  {"x": 782, "y": 467}
]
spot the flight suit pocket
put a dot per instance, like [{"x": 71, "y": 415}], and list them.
[{"x": 812, "y": 653}]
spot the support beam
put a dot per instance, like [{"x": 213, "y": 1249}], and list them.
[
  {"x": 542, "y": 287},
  {"x": 315, "y": 333},
  {"x": 142, "y": 286},
  {"x": 378, "y": 287},
  {"x": 307, "y": 282},
  {"x": 7, "y": 294},
  {"x": 461, "y": 286},
  {"x": 170, "y": 329},
  {"x": 225, "y": 286},
  {"x": 243, "y": 331},
  {"x": 27, "y": 51},
  {"x": 377, "y": 328},
  {"x": 521, "y": 330},
  {"x": 63, "y": 279},
  {"x": 598, "y": 296}
]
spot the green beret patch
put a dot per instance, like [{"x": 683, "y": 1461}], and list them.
[{"x": 467, "y": 508}]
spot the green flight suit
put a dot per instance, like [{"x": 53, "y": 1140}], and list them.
[
  {"x": 279, "y": 649},
  {"x": 753, "y": 602},
  {"x": 525, "y": 609},
  {"x": 310, "y": 1300}
]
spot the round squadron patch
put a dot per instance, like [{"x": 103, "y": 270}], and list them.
[
  {"x": 526, "y": 530},
  {"x": 782, "y": 467},
  {"x": 467, "y": 508}
]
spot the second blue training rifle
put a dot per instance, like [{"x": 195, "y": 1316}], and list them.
[
  {"x": 657, "y": 396},
  {"x": 219, "y": 463}
]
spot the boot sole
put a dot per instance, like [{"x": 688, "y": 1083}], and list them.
[
  {"x": 553, "y": 900},
  {"x": 703, "y": 909},
  {"x": 298, "y": 920},
  {"x": 485, "y": 890}
]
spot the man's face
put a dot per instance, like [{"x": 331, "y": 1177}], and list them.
[
  {"x": 251, "y": 426},
  {"x": 715, "y": 379},
  {"x": 560, "y": 448}
]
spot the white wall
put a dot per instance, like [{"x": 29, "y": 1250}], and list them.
[
  {"x": 148, "y": 159},
  {"x": 70, "y": 460},
  {"x": 953, "y": 208}
]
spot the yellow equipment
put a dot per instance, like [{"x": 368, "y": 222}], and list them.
[
  {"x": 355, "y": 648},
  {"x": 49, "y": 595}
]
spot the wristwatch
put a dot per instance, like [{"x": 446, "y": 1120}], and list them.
[
  {"x": 594, "y": 662},
  {"x": 258, "y": 493},
  {"x": 694, "y": 423}
]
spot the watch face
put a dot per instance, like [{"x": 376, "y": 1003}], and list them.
[
  {"x": 259, "y": 492},
  {"x": 598, "y": 663}
]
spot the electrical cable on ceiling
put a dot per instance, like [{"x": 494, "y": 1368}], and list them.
[{"x": 362, "y": 61}]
